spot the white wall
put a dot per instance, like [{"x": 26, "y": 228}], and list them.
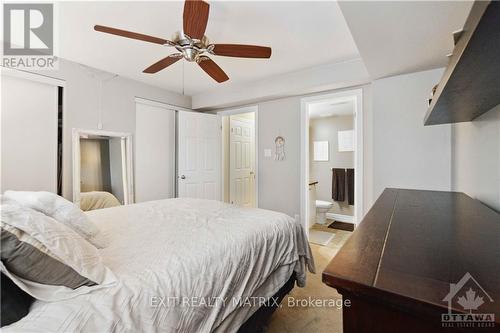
[
  {"x": 368, "y": 196},
  {"x": 81, "y": 106},
  {"x": 407, "y": 154},
  {"x": 279, "y": 181},
  {"x": 476, "y": 158}
]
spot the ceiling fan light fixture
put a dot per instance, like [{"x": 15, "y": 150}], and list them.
[{"x": 192, "y": 44}]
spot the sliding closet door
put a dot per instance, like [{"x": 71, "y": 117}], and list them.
[
  {"x": 29, "y": 135},
  {"x": 154, "y": 153}
]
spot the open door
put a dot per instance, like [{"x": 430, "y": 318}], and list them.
[
  {"x": 199, "y": 155},
  {"x": 242, "y": 161}
]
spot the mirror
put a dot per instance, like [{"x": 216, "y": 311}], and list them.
[{"x": 102, "y": 169}]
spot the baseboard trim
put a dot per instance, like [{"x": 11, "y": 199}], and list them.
[{"x": 340, "y": 217}]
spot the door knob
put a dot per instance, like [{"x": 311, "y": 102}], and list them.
[{"x": 182, "y": 177}]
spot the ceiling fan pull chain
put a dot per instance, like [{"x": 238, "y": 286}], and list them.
[{"x": 183, "y": 78}]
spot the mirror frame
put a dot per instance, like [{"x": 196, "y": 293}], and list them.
[{"x": 127, "y": 160}]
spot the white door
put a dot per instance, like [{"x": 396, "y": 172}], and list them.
[
  {"x": 199, "y": 155},
  {"x": 242, "y": 161},
  {"x": 154, "y": 153},
  {"x": 28, "y": 135}
]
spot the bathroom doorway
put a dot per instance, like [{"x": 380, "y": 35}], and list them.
[
  {"x": 239, "y": 158},
  {"x": 332, "y": 155}
]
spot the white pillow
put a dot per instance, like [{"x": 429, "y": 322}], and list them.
[
  {"x": 62, "y": 211},
  {"x": 60, "y": 243}
]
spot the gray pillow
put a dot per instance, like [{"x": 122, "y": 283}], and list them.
[
  {"x": 33, "y": 261},
  {"x": 78, "y": 265}
]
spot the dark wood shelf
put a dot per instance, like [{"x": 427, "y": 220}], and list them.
[
  {"x": 471, "y": 83},
  {"x": 397, "y": 267}
]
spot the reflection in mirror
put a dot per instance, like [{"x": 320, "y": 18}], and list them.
[{"x": 102, "y": 169}]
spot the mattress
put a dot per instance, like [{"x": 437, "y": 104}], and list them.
[{"x": 183, "y": 265}]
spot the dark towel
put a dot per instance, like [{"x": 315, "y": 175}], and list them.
[
  {"x": 338, "y": 184},
  {"x": 350, "y": 186}
]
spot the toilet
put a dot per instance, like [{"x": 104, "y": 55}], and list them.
[{"x": 322, "y": 207}]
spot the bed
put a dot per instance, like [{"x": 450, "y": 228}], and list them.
[{"x": 183, "y": 265}]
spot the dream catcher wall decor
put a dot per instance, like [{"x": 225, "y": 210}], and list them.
[{"x": 279, "y": 154}]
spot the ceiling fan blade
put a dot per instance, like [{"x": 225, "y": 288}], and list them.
[
  {"x": 212, "y": 69},
  {"x": 242, "y": 51},
  {"x": 162, "y": 64},
  {"x": 195, "y": 18},
  {"x": 130, "y": 34}
]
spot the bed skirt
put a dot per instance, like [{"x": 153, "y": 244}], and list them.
[{"x": 258, "y": 322}]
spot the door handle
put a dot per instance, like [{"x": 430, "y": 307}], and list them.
[
  {"x": 182, "y": 177},
  {"x": 251, "y": 172}
]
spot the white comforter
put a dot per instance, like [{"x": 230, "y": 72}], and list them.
[{"x": 183, "y": 265}]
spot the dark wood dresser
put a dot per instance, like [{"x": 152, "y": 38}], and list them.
[{"x": 421, "y": 261}]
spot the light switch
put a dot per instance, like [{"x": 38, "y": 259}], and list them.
[{"x": 268, "y": 153}]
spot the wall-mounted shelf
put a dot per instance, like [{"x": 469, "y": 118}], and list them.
[{"x": 471, "y": 83}]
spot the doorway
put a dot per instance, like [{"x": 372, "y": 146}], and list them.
[
  {"x": 332, "y": 159},
  {"x": 239, "y": 158}
]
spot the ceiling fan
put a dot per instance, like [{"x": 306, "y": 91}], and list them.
[{"x": 192, "y": 44}]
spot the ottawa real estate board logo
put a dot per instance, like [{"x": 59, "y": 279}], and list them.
[
  {"x": 467, "y": 295},
  {"x": 28, "y": 36}
]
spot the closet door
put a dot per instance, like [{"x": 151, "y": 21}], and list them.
[
  {"x": 28, "y": 135},
  {"x": 154, "y": 152}
]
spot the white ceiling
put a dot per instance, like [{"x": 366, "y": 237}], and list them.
[
  {"x": 395, "y": 37},
  {"x": 331, "y": 108},
  {"x": 301, "y": 34}
]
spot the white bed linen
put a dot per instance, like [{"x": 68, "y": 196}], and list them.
[{"x": 180, "y": 249}]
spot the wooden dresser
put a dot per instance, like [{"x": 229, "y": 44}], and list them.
[{"x": 398, "y": 266}]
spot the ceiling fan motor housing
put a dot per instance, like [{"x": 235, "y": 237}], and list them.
[{"x": 190, "y": 48}]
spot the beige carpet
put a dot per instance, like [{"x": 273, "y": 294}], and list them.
[{"x": 301, "y": 319}]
